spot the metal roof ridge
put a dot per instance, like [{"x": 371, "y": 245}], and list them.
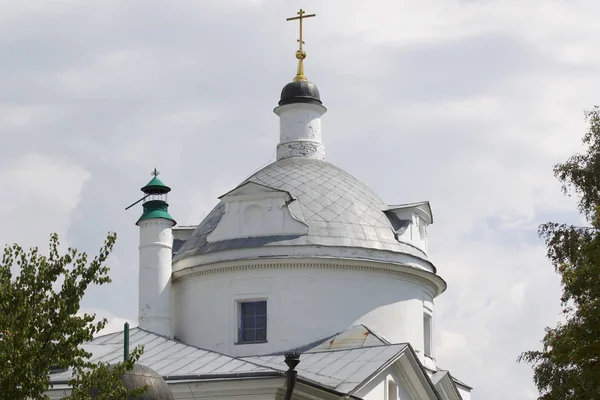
[
  {"x": 357, "y": 348},
  {"x": 374, "y": 333}
]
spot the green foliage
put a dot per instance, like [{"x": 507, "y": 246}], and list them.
[
  {"x": 40, "y": 326},
  {"x": 568, "y": 366}
]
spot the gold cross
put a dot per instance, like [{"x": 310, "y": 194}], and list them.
[{"x": 300, "y": 17}]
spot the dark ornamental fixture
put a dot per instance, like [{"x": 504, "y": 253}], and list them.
[
  {"x": 292, "y": 360},
  {"x": 141, "y": 376}
]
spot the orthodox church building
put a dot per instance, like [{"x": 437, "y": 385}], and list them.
[{"x": 301, "y": 283}]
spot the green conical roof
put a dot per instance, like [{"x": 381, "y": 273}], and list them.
[
  {"x": 156, "y": 186},
  {"x": 156, "y": 209}
]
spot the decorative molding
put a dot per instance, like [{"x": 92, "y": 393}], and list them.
[
  {"x": 351, "y": 254},
  {"x": 400, "y": 371},
  {"x": 156, "y": 221},
  {"x": 157, "y": 244},
  {"x": 194, "y": 272}
]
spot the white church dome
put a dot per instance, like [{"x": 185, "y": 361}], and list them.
[
  {"x": 339, "y": 210},
  {"x": 301, "y": 206}
]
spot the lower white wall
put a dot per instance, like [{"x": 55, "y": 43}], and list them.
[
  {"x": 246, "y": 389},
  {"x": 304, "y": 304}
]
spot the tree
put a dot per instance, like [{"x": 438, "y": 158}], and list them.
[
  {"x": 568, "y": 367},
  {"x": 40, "y": 327}
]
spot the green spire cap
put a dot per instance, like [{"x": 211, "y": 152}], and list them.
[
  {"x": 156, "y": 186},
  {"x": 157, "y": 207}
]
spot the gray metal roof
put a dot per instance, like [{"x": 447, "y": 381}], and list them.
[
  {"x": 353, "y": 337},
  {"x": 340, "y": 370},
  {"x": 167, "y": 357},
  {"x": 338, "y": 208}
]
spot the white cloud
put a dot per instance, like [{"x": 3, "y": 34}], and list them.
[
  {"x": 40, "y": 193},
  {"x": 450, "y": 344},
  {"x": 114, "y": 324}
]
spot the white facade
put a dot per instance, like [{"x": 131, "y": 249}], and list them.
[
  {"x": 156, "y": 244},
  {"x": 307, "y": 301}
]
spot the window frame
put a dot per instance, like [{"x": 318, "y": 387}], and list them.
[
  {"x": 240, "y": 320},
  {"x": 428, "y": 334}
]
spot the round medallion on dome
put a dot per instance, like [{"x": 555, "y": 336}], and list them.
[{"x": 300, "y": 92}]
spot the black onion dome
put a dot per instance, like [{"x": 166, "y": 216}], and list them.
[
  {"x": 141, "y": 376},
  {"x": 300, "y": 92}
]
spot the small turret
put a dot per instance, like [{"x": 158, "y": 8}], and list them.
[
  {"x": 156, "y": 242},
  {"x": 300, "y": 110},
  {"x": 155, "y": 202}
]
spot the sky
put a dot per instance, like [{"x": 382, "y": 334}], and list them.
[{"x": 465, "y": 103}]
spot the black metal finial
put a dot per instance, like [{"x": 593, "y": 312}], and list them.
[
  {"x": 155, "y": 173},
  {"x": 292, "y": 360}
]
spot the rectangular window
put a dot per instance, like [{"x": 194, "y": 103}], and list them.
[
  {"x": 253, "y": 322},
  {"x": 427, "y": 333},
  {"x": 392, "y": 390}
]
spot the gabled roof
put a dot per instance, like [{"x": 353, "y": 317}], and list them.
[
  {"x": 343, "y": 371},
  {"x": 339, "y": 370}
]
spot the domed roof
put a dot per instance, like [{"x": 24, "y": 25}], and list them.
[
  {"x": 338, "y": 209},
  {"x": 300, "y": 92},
  {"x": 141, "y": 376}
]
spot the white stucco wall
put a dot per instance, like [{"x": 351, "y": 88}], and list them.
[
  {"x": 156, "y": 240},
  {"x": 305, "y": 303}
]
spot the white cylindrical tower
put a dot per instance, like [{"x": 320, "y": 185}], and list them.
[
  {"x": 156, "y": 241},
  {"x": 300, "y": 129},
  {"x": 300, "y": 110}
]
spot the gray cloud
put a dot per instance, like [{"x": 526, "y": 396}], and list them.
[{"x": 470, "y": 116}]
